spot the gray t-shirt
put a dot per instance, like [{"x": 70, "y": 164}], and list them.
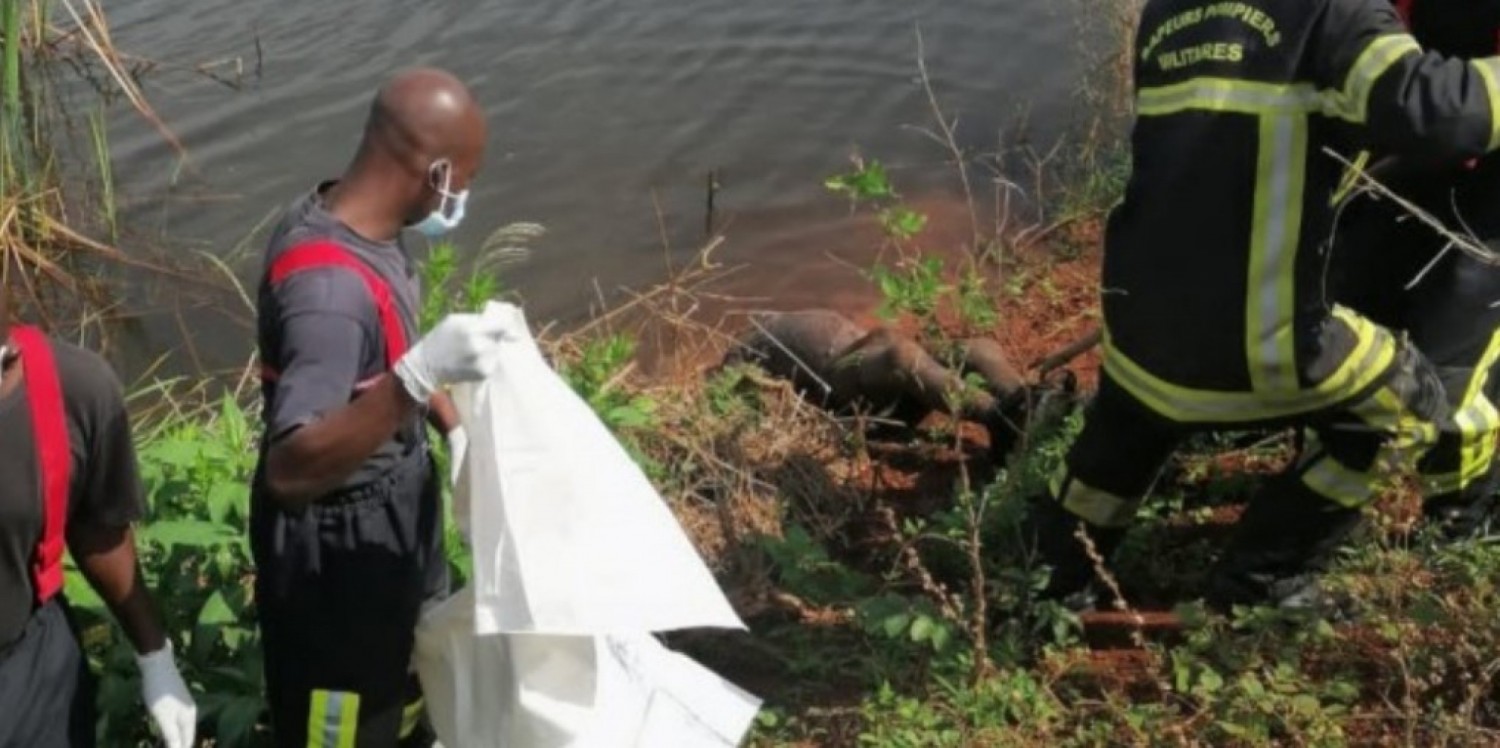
[
  {"x": 320, "y": 331},
  {"x": 106, "y": 486}
]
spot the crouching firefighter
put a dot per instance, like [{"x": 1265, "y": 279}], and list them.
[
  {"x": 346, "y": 518},
  {"x": 1402, "y": 273},
  {"x": 70, "y": 483},
  {"x": 1212, "y": 291}
]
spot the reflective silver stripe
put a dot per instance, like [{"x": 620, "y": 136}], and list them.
[
  {"x": 1273, "y": 251},
  {"x": 332, "y": 720},
  {"x": 1350, "y": 103},
  {"x": 1226, "y": 95}
]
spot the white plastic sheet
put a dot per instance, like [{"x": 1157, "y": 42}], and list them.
[
  {"x": 576, "y": 560},
  {"x": 570, "y": 537},
  {"x": 566, "y": 691}
]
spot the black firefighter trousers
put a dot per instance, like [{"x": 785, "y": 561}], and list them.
[
  {"x": 1293, "y": 524},
  {"x": 1394, "y": 269},
  {"x": 339, "y": 588}
]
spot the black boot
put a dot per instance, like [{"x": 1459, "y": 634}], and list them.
[
  {"x": 1283, "y": 543},
  {"x": 1466, "y": 516},
  {"x": 1460, "y": 521},
  {"x": 1052, "y": 532}
]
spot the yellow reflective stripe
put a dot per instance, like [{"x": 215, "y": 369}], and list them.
[
  {"x": 1353, "y": 102},
  {"x": 1474, "y": 391},
  {"x": 1489, "y": 72},
  {"x": 1274, "y": 237},
  {"x": 1385, "y": 412},
  {"x": 1097, "y": 506},
  {"x": 333, "y": 719},
  {"x": 317, "y": 717},
  {"x": 1476, "y": 455},
  {"x": 1475, "y": 459},
  {"x": 348, "y": 720},
  {"x": 1477, "y": 421},
  {"x": 411, "y": 716},
  {"x": 1371, "y": 357},
  {"x": 1226, "y": 95},
  {"x": 1339, "y": 484}
]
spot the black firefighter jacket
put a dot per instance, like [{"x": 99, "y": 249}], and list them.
[{"x": 1212, "y": 291}]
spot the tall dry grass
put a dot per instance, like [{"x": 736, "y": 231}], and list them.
[{"x": 50, "y": 259}]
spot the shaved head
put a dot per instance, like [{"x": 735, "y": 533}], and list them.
[
  {"x": 426, "y": 115},
  {"x": 425, "y": 133}
]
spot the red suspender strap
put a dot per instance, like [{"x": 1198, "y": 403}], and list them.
[
  {"x": 49, "y": 424},
  {"x": 324, "y": 254}
]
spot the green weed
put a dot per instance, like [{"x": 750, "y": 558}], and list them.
[{"x": 196, "y": 558}]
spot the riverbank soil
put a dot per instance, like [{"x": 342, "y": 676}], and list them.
[{"x": 844, "y": 547}]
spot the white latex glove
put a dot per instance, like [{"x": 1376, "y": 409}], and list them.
[
  {"x": 167, "y": 698},
  {"x": 458, "y": 448},
  {"x": 462, "y": 348}
]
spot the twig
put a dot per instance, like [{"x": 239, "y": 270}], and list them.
[
  {"x": 949, "y": 139},
  {"x": 696, "y": 273},
  {"x": 1073, "y": 350},
  {"x": 1466, "y": 244},
  {"x": 709, "y": 210},
  {"x": 98, "y": 40},
  {"x": 827, "y": 388},
  {"x": 1417, "y": 279},
  {"x": 260, "y": 57}
]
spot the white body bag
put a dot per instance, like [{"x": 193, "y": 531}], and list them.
[{"x": 577, "y": 560}]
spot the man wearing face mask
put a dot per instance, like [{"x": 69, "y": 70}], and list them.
[{"x": 346, "y": 518}]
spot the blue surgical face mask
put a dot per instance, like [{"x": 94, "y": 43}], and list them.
[{"x": 450, "y": 209}]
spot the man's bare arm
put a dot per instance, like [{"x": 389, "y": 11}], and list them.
[
  {"x": 106, "y": 555},
  {"x": 321, "y": 455},
  {"x": 442, "y": 414}
]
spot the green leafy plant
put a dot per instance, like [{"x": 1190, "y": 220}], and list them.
[
  {"x": 446, "y": 290},
  {"x": 597, "y": 375},
  {"x": 902, "y": 223},
  {"x": 867, "y": 182},
  {"x": 804, "y": 568},
  {"x": 915, "y": 289},
  {"x": 196, "y": 558},
  {"x": 900, "y": 618}
]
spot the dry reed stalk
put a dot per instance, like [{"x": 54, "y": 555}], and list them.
[{"x": 95, "y": 32}]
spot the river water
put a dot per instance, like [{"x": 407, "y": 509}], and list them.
[{"x": 601, "y": 111}]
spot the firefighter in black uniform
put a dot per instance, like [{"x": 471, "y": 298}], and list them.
[
  {"x": 1212, "y": 288},
  {"x": 1402, "y": 274}
]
